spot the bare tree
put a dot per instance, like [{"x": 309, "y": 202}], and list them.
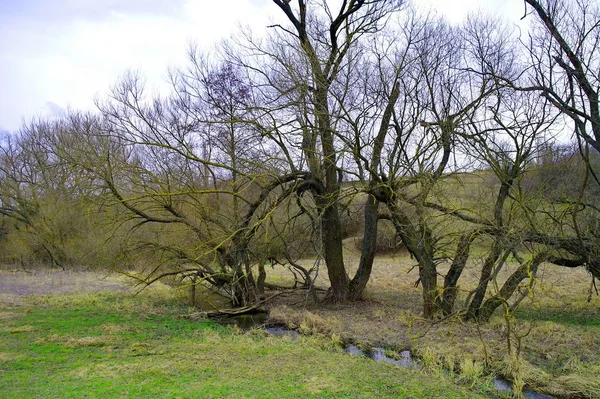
[
  {"x": 564, "y": 61},
  {"x": 302, "y": 76},
  {"x": 443, "y": 100},
  {"x": 43, "y": 198}
]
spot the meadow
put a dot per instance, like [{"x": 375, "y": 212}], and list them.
[
  {"x": 85, "y": 334},
  {"x": 80, "y": 334}
]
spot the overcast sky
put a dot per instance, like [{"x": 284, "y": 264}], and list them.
[{"x": 60, "y": 53}]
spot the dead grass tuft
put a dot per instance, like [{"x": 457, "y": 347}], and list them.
[
  {"x": 113, "y": 329},
  {"x": 85, "y": 342},
  {"x": 9, "y": 357},
  {"x": 574, "y": 385},
  {"x": 143, "y": 349},
  {"x": 17, "y": 330},
  {"x": 471, "y": 371},
  {"x": 9, "y": 315},
  {"x": 518, "y": 369},
  {"x": 306, "y": 322},
  {"x": 316, "y": 385}
]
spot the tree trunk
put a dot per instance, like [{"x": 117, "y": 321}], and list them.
[
  {"x": 361, "y": 278},
  {"x": 243, "y": 285},
  {"x": 428, "y": 275},
  {"x": 484, "y": 279},
  {"x": 333, "y": 253},
  {"x": 420, "y": 244},
  {"x": 365, "y": 266},
  {"x": 260, "y": 282},
  {"x": 454, "y": 273},
  {"x": 528, "y": 269}
]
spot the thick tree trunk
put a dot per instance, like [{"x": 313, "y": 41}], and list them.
[
  {"x": 427, "y": 269},
  {"x": 333, "y": 253},
  {"x": 428, "y": 275},
  {"x": 243, "y": 284},
  {"x": 260, "y": 282},
  {"x": 361, "y": 278},
  {"x": 454, "y": 273}
]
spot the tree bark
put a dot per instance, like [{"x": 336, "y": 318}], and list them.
[
  {"x": 484, "y": 279},
  {"x": 359, "y": 282},
  {"x": 333, "y": 253},
  {"x": 418, "y": 241},
  {"x": 528, "y": 269},
  {"x": 456, "y": 268}
]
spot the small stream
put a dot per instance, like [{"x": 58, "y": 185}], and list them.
[
  {"x": 244, "y": 321},
  {"x": 378, "y": 354},
  {"x": 406, "y": 360}
]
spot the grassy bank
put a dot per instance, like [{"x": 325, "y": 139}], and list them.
[{"x": 99, "y": 344}]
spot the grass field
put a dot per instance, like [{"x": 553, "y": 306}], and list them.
[{"x": 75, "y": 336}]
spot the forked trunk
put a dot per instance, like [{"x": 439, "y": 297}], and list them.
[
  {"x": 484, "y": 279},
  {"x": 454, "y": 273},
  {"x": 529, "y": 269}
]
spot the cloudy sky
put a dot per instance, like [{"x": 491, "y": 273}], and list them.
[{"x": 56, "y": 54}]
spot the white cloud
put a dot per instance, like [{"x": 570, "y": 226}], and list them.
[
  {"x": 47, "y": 57},
  {"x": 457, "y": 10},
  {"x": 68, "y": 51}
]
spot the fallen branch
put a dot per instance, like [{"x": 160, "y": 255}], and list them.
[{"x": 242, "y": 310}]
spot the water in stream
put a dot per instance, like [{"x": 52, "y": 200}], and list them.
[
  {"x": 244, "y": 321},
  {"x": 378, "y": 354}
]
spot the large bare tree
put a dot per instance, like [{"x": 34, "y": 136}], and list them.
[{"x": 565, "y": 63}]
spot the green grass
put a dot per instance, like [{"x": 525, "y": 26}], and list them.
[
  {"x": 112, "y": 345},
  {"x": 568, "y": 316}
]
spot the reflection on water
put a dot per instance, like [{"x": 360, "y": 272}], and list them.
[
  {"x": 354, "y": 350},
  {"x": 378, "y": 354},
  {"x": 282, "y": 332},
  {"x": 506, "y": 386},
  {"x": 244, "y": 321}
]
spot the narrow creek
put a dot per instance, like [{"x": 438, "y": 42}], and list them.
[{"x": 260, "y": 320}]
